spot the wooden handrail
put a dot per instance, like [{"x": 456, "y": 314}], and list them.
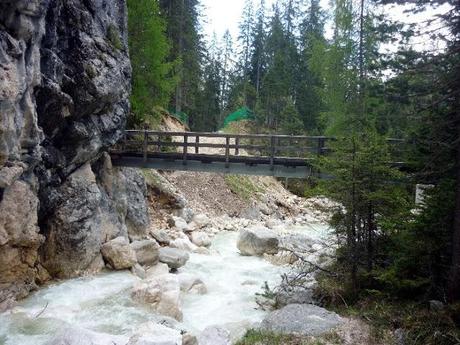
[{"x": 224, "y": 135}]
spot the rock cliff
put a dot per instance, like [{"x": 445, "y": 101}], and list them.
[{"x": 64, "y": 86}]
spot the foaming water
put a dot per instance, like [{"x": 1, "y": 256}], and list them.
[
  {"x": 232, "y": 281},
  {"x": 103, "y": 304}
]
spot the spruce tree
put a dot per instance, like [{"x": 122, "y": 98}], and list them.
[{"x": 153, "y": 82}]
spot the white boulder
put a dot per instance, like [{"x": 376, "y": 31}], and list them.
[
  {"x": 201, "y": 239},
  {"x": 257, "y": 240},
  {"x": 191, "y": 283},
  {"x": 214, "y": 335},
  {"x": 162, "y": 293},
  {"x": 146, "y": 252},
  {"x": 76, "y": 336},
  {"x": 173, "y": 257},
  {"x": 152, "y": 333},
  {"x": 119, "y": 254},
  {"x": 157, "y": 270},
  {"x": 201, "y": 220},
  {"x": 183, "y": 244}
]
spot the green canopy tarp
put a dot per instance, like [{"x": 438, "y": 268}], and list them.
[
  {"x": 181, "y": 116},
  {"x": 241, "y": 114}
]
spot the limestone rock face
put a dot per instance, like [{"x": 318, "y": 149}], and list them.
[
  {"x": 65, "y": 79},
  {"x": 21, "y": 32},
  {"x": 303, "y": 319},
  {"x": 162, "y": 293},
  {"x": 72, "y": 228},
  {"x": 119, "y": 254},
  {"x": 173, "y": 257},
  {"x": 82, "y": 100},
  {"x": 257, "y": 241},
  {"x": 19, "y": 240}
]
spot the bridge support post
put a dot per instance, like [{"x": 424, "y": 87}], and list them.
[
  {"x": 185, "y": 151},
  {"x": 227, "y": 152},
  {"x": 145, "y": 144},
  {"x": 237, "y": 146},
  {"x": 197, "y": 144},
  {"x": 272, "y": 152}
]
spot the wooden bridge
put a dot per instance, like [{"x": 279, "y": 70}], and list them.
[{"x": 249, "y": 154}]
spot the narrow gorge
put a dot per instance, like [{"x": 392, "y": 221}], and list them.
[{"x": 96, "y": 254}]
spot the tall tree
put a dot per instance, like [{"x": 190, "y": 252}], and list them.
[
  {"x": 153, "y": 82},
  {"x": 183, "y": 29},
  {"x": 312, "y": 45},
  {"x": 245, "y": 37},
  {"x": 258, "y": 56}
]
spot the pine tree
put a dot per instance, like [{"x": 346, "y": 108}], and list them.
[
  {"x": 182, "y": 18},
  {"x": 153, "y": 82},
  {"x": 312, "y": 45},
  {"x": 258, "y": 57}
]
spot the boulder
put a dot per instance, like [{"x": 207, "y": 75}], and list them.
[
  {"x": 161, "y": 236},
  {"x": 162, "y": 293},
  {"x": 293, "y": 295},
  {"x": 178, "y": 223},
  {"x": 302, "y": 319},
  {"x": 157, "y": 270},
  {"x": 201, "y": 220},
  {"x": 119, "y": 254},
  {"x": 173, "y": 257},
  {"x": 183, "y": 244},
  {"x": 202, "y": 251},
  {"x": 155, "y": 334},
  {"x": 188, "y": 339},
  {"x": 146, "y": 252},
  {"x": 186, "y": 213},
  {"x": 201, "y": 239},
  {"x": 72, "y": 225},
  {"x": 214, "y": 335},
  {"x": 257, "y": 240},
  {"x": 137, "y": 215},
  {"x": 138, "y": 271},
  {"x": 191, "y": 283},
  {"x": 76, "y": 336}
]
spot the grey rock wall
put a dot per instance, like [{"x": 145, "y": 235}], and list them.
[{"x": 64, "y": 85}]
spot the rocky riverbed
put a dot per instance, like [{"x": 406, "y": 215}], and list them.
[{"x": 210, "y": 299}]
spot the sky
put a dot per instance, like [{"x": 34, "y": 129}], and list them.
[{"x": 221, "y": 15}]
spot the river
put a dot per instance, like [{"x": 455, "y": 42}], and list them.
[{"x": 103, "y": 304}]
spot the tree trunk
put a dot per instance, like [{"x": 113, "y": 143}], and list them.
[{"x": 454, "y": 276}]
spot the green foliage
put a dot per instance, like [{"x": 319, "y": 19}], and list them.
[
  {"x": 182, "y": 29},
  {"x": 420, "y": 248},
  {"x": 372, "y": 198},
  {"x": 260, "y": 337},
  {"x": 243, "y": 186},
  {"x": 291, "y": 123},
  {"x": 153, "y": 81}
]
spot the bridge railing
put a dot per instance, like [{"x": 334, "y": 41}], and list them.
[
  {"x": 192, "y": 144},
  {"x": 204, "y": 146}
]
